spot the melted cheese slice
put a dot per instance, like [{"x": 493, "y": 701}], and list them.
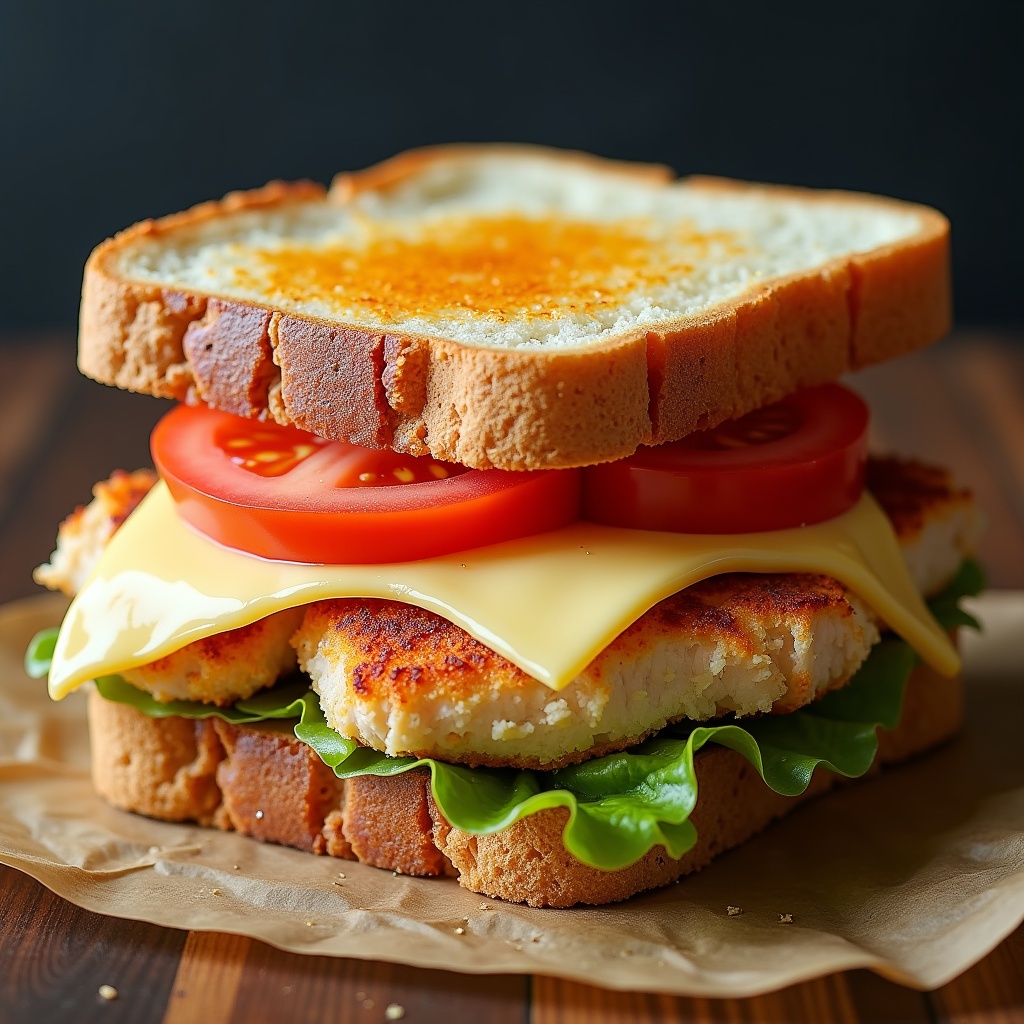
[{"x": 548, "y": 603}]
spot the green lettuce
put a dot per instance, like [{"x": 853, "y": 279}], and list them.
[
  {"x": 39, "y": 653},
  {"x": 621, "y": 805},
  {"x": 285, "y": 700},
  {"x": 968, "y": 582}
]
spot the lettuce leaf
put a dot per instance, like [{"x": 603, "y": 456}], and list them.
[
  {"x": 39, "y": 653},
  {"x": 968, "y": 582},
  {"x": 621, "y": 805},
  {"x": 285, "y": 700}
]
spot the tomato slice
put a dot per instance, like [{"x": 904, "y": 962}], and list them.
[
  {"x": 797, "y": 462},
  {"x": 284, "y": 494}
]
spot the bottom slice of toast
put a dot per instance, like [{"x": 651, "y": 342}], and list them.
[{"x": 261, "y": 781}]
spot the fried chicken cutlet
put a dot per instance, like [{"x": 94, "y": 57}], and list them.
[{"x": 406, "y": 681}]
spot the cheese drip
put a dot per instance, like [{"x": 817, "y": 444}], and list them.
[{"x": 548, "y": 603}]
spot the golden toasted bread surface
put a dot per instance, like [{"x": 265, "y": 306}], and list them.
[{"x": 366, "y": 344}]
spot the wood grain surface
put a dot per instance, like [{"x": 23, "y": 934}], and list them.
[{"x": 961, "y": 403}]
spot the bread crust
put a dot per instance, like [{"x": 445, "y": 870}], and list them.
[
  {"x": 513, "y": 409},
  {"x": 179, "y": 770},
  {"x": 163, "y": 768},
  {"x": 403, "y": 166}
]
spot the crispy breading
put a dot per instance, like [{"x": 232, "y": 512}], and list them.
[
  {"x": 913, "y": 493},
  {"x": 937, "y": 522},
  {"x": 406, "y": 681},
  {"x": 83, "y": 535},
  {"x": 220, "y": 669},
  {"x": 225, "y": 667}
]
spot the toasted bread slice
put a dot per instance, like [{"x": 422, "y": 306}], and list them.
[
  {"x": 510, "y": 306},
  {"x": 260, "y": 781}
]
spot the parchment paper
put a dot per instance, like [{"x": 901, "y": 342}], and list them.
[{"x": 916, "y": 874}]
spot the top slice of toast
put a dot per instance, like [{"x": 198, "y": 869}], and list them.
[{"x": 512, "y": 306}]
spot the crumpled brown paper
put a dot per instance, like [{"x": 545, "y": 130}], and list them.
[{"x": 916, "y": 874}]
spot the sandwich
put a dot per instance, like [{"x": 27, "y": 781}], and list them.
[{"x": 511, "y": 524}]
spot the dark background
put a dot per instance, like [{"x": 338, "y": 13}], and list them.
[{"x": 111, "y": 112}]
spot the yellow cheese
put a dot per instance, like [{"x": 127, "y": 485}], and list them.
[{"x": 548, "y": 603}]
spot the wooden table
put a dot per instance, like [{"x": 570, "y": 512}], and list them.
[{"x": 962, "y": 402}]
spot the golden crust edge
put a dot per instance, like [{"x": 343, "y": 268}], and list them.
[
  {"x": 402, "y": 166},
  {"x": 515, "y": 409}
]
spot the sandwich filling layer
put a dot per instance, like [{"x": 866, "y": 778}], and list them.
[
  {"x": 608, "y": 813},
  {"x": 404, "y": 680},
  {"x": 549, "y": 603}
]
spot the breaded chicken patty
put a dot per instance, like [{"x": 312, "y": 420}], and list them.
[
  {"x": 405, "y": 681},
  {"x": 84, "y": 534},
  {"x": 220, "y": 669},
  {"x": 937, "y": 522},
  {"x": 225, "y": 667}
]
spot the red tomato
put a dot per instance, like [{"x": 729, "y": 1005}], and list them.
[
  {"x": 797, "y": 462},
  {"x": 284, "y": 494}
]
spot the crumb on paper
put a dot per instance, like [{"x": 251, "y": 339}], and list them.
[
  {"x": 234, "y": 867},
  {"x": 338, "y": 884},
  {"x": 484, "y": 906},
  {"x": 395, "y": 1011},
  {"x": 785, "y": 918},
  {"x": 460, "y": 931},
  {"x": 309, "y": 924},
  {"x": 341, "y": 874},
  {"x": 259, "y": 815},
  {"x": 216, "y": 892},
  {"x": 535, "y": 938},
  {"x": 108, "y": 992},
  {"x": 734, "y": 911}
]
